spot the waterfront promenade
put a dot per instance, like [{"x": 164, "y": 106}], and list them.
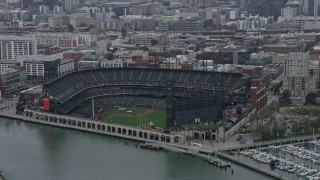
[{"x": 208, "y": 147}]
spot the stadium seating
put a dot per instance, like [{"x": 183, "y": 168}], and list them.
[{"x": 75, "y": 88}]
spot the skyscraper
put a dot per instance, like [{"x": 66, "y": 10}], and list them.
[
  {"x": 266, "y": 7},
  {"x": 81, "y": 2},
  {"x": 68, "y": 5},
  {"x": 312, "y": 7}
]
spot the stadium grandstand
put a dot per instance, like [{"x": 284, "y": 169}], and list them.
[{"x": 186, "y": 95}]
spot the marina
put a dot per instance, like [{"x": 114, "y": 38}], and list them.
[
  {"x": 189, "y": 151},
  {"x": 300, "y": 161}
]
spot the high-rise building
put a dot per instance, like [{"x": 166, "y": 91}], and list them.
[
  {"x": 312, "y": 7},
  {"x": 57, "y": 10},
  {"x": 266, "y": 7},
  {"x": 295, "y": 5},
  {"x": 297, "y": 77},
  {"x": 13, "y": 46},
  {"x": 68, "y": 5},
  {"x": 288, "y": 13},
  {"x": 43, "y": 9},
  {"x": 82, "y": 2}
]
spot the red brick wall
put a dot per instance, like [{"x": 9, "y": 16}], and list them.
[
  {"x": 75, "y": 56},
  {"x": 258, "y": 94}
]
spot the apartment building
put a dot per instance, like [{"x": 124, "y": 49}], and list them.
[
  {"x": 13, "y": 46},
  {"x": 299, "y": 74}
]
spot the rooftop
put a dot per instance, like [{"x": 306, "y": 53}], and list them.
[
  {"x": 15, "y": 38},
  {"x": 36, "y": 89},
  {"x": 39, "y": 57},
  {"x": 8, "y": 71}
]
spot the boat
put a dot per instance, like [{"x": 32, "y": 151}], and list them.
[
  {"x": 219, "y": 163},
  {"x": 150, "y": 146}
]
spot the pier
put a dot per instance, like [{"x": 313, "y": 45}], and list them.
[
  {"x": 260, "y": 145},
  {"x": 269, "y": 173}
]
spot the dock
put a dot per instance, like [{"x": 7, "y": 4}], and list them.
[
  {"x": 188, "y": 151},
  {"x": 251, "y": 166},
  {"x": 259, "y": 145}
]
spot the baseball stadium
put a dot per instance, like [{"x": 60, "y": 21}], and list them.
[{"x": 165, "y": 98}]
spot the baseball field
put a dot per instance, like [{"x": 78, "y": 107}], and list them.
[{"x": 135, "y": 116}]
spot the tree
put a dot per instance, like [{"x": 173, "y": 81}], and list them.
[
  {"x": 296, "y": 127},
  {"x": 265, "y": 132},
  {"x": 284, "y": 99},
  {"x": 276, "y": 87},
  {"x": 70, "y": 28},
  {"x": 239, "y": 109},
  {"x": 311, "y": 98},
  {"x": 282, "y": 129},
  {"x": 307, "y": 125},
  {"x": 275, "y": 129}
]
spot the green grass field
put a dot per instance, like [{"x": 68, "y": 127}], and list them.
[{"x": 132, "y": 116}]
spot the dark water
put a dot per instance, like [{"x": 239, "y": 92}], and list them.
[{"x": 37, "y": 152}]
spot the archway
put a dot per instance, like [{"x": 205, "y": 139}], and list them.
[
  {"x": 162, "y": 138},
  {"x": 156, "y": 137},
  {"x": 151, "y": 136},
  {"x": 176, "y": 139},
  {"x": 168, "y": 139}
]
